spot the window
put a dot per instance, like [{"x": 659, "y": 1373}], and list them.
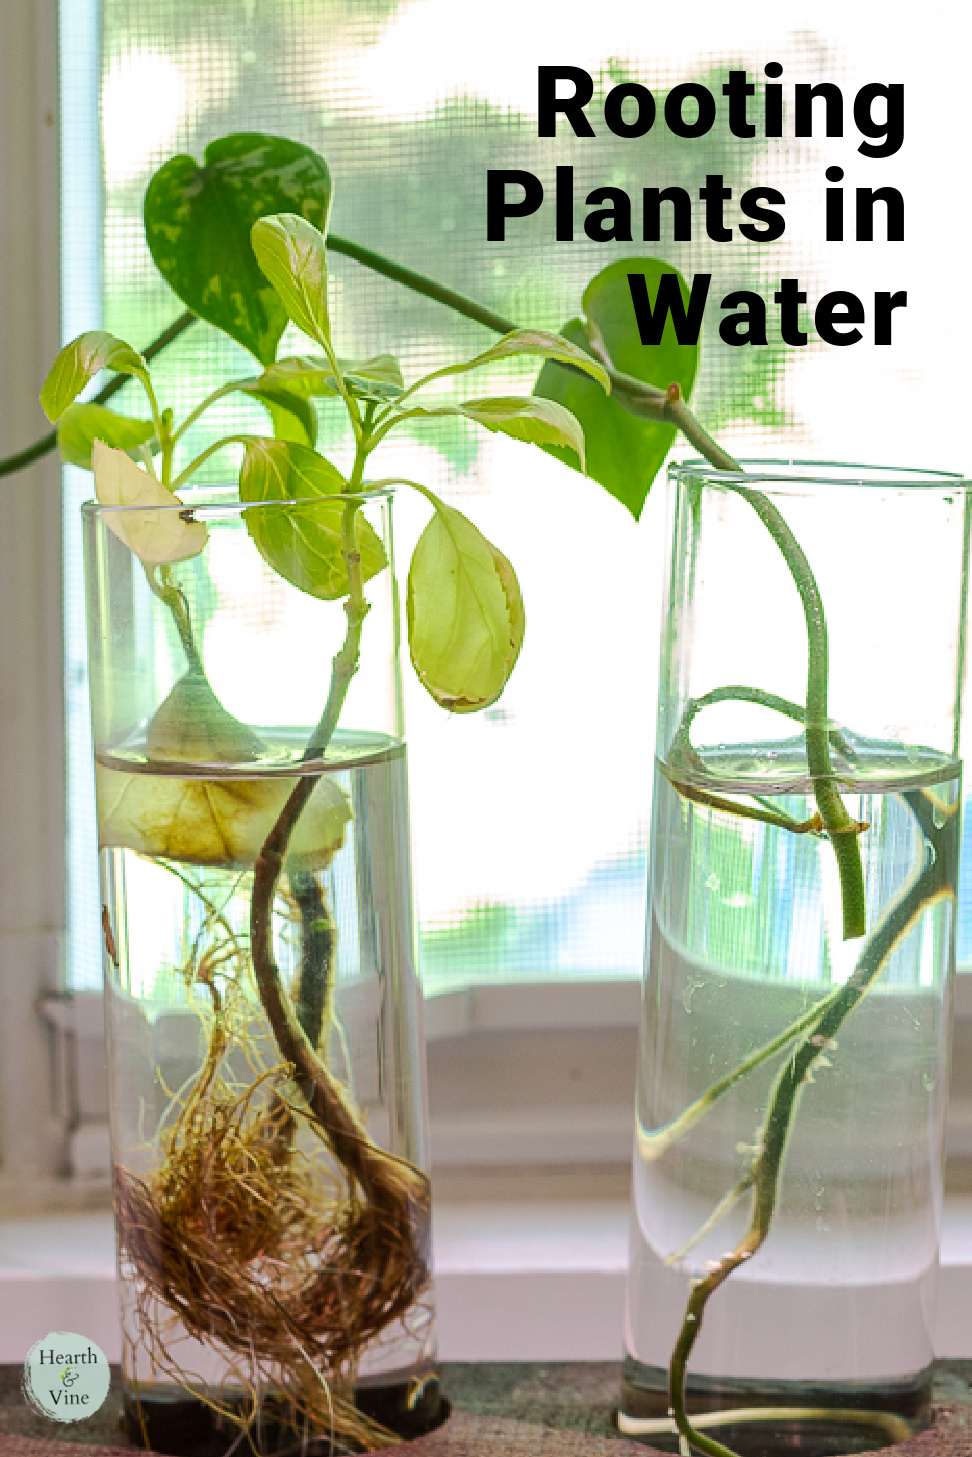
[{"x": 532, "y": 866}]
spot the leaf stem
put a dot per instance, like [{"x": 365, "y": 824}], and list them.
[
  {"x": 204, "y": 455},
  {"x": 162, "y": 584}
]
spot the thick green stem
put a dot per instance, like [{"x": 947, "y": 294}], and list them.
[{"x": 842, "y": 829}]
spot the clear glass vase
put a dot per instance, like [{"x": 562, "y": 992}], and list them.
[
  {"x": 265, "y": 1041},
  {"x": 794, "y": 1042}
]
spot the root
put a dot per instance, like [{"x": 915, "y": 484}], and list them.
[{"x": 259, "y": 1236}]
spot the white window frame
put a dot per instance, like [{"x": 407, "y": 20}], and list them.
[{"x": 32, "y": 1135}]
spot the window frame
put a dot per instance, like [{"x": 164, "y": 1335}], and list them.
[{"x": 32, "y": 1126}]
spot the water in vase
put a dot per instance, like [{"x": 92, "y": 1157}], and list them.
[
  {"x": 242, "y": 1233},
  {"x": 833, "y": 1311}
]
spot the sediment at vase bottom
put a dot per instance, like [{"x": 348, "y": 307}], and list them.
[
  {"x": 170, "y": 1420},
  {"x": 814, "y": 1419}
]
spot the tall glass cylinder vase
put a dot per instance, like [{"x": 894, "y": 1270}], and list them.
[
  {"x": 794, "y": 1041},
  {"x": 266, "y": 1055}
]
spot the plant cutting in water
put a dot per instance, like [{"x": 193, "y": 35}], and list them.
[{"x": 243, "y": 241}]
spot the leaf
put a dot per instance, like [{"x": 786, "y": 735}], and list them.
[
  {"x": 216, "y": 821},
  {"x": 465, "y": 613},
  {"x": 531, "y": 341},
  {"x": 293, "y": 418},
  {"x": 303, "y": 544},
  {"x": 79, "y": 362},
  {"x": 624, "y": 453},
  {"x": 156, "y": 534},
  {"x": 81, "y": 425},
  {"x": 378, "y": 379},
  {"x": 198, "y": 221},
  {"x": 538, "y": 421},
  {"x": 291, "y": 254}
]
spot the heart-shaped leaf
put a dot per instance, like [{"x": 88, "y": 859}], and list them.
[
  {"x": 80, "y": 361},
  {"x": 81, "y": 425},
  {"x": 303, "y": 543},
  {"x": 198, "y": 221},
  {"x": 291, "y": 254},
  {"x": 152, "y": 525},
  {"x": 465, "y": 613},
  {"x": 624, "y": 453}
]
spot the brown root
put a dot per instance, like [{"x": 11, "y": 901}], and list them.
[
  {"x": 264, "y": 1235},
  {"x": 286, "y": 1265}
]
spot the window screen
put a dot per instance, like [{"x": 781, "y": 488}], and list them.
[{"x": 529, "y": 820}]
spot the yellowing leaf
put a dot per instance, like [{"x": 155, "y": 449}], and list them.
[
  {"x": 152, "y": 524},
  {"x": 538, "y": 421},
  {"x": 465, "y": 613},
  {"x": 531, "y": 341},
  {"x": 217, "y": 820}
]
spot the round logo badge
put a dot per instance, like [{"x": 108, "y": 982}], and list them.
[{"x": 66, "y": 1377}]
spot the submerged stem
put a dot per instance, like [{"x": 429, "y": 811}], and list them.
[{"x": 928, "y": 883}]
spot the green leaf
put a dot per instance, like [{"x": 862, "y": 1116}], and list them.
[
  {"x": 303, "y": 544},
  {"x": 80, "y": 361},
  {"x": 376, "y": 379},
  {"x": 198, "y": 221},
  {"x": 291, "y": 254},
  {"x": 539, "y": 422},
  {"x": 293, "y": 417},
  {"x": 81, "y": 425},
  {"x": 530, "y": 341},
  {"x": 465, "y": 613},
  {"x": 624, "y": 453}
]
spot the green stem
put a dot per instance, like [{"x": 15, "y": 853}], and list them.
[
  {"x": 204, "y": 455},
  {"x": 421, "y": 283},
  {"x": 318, "y": 935},
  {"x": 161, "y": 582},
  {"x": 652, "y": 1145},
  {"x": 842, "y": 829}
]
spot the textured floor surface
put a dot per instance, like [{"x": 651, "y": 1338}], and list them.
[{"x": 502, "y": 1409}]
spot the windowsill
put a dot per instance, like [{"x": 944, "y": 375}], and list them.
[{"x": 517, "y": 1278}]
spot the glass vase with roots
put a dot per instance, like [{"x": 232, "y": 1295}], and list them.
[{"x": 272, "y": 1204}]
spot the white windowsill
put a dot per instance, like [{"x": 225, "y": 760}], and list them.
[{"x": 516, "y": 1280}]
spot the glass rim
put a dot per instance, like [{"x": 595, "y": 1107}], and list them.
[
  {"x": 807, "y": 472},
  {"x": 222, "y": 503}
]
